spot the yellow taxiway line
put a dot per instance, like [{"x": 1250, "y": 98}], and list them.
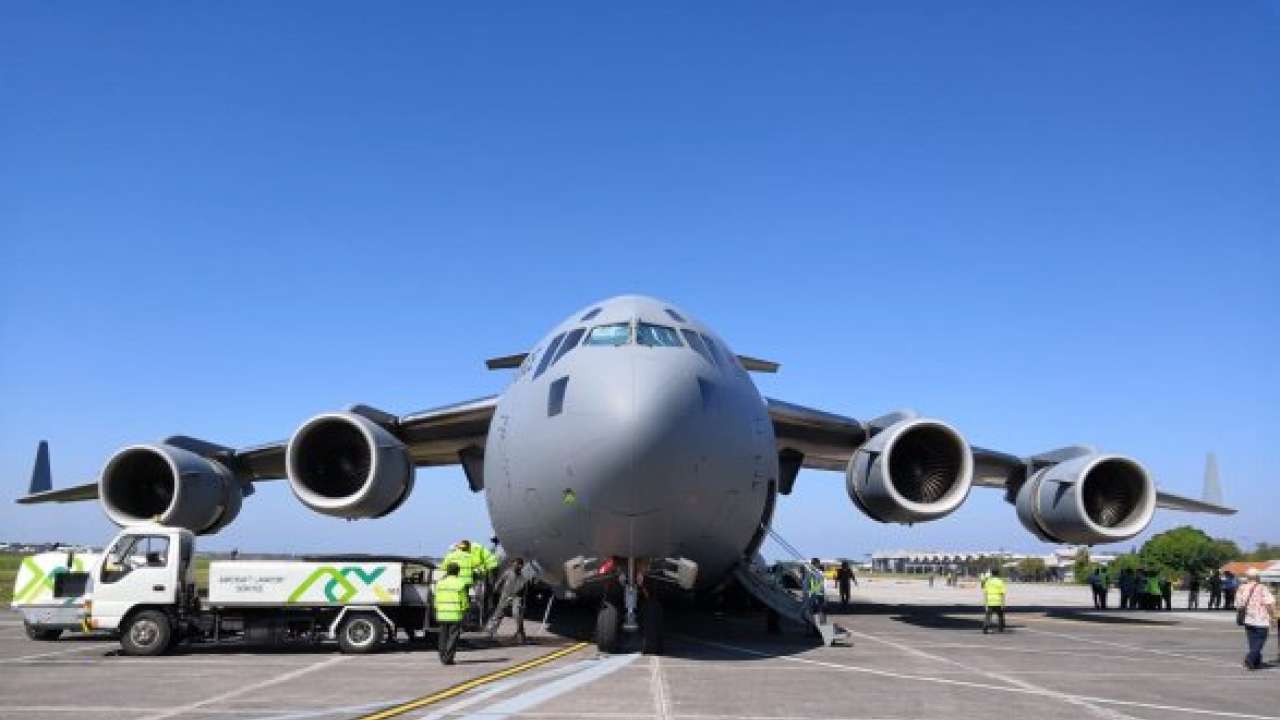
[{"x": 462, "y": 687}]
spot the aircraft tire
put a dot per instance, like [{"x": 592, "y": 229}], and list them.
[
  {"x": 651, "y": 640},
  {"x": 608, "y": 623},
  {"x": 148, "y": 633},
  {"x": 361, "y": 633},
  {"x": 41, "y": 634}
]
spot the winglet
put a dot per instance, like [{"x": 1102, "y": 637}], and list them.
[{"x": 41, "y": 478}]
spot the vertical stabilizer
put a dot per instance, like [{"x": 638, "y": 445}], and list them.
[
  {"x": 41, "y": 479},
  {"x": 1212, "y": 486}
]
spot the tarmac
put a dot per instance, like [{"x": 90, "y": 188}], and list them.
[{"x": 914, "y": 652}]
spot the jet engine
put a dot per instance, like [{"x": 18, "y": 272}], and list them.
[
  {"x": 1091, "y": 499},
  {"x": 169, "y": 486},
  {"x": 914, "y": 470},
  {"x": 346, "y": 465}
]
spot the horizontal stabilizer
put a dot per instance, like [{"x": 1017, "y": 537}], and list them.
[
  {"x": 88, "y": 491},
  {"x": 1186, "y": 504}
]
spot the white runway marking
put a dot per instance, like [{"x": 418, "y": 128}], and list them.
[
  {"x": 499, "y": 688},
  {"x": 179, "y": 711},
  {"x": 658, "y": 686},
  {"x": 539, "y": 695},
  {"x": 1106, "y": 713},
  {"x": 1195, "y": 658},
  {"x": 978, "y": 685},
  {"x": 68, "y": 651}
]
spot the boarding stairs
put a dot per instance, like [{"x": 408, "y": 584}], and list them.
[{"x": 766, "y": 584}]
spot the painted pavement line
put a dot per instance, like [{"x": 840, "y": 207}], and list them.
[
  {"x": 55, "y": 653},
  {"x": 475, "y": 698},
  {"x": 195, "y": 706},
  {"x": 658, "y": 687},
  {"x": 467, "y": 685},
  {"x": 1102, "y": 712},
  {"x": 1125, "y": 646},
  {"x": 552, "y": 690},
  {"x": 977, "y": 685}
]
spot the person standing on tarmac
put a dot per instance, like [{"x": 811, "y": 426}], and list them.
[
  {"x": 1257, "y": 613},
  {"x": 451, "y": 602},
  {"x": 993, "y": 594},
  {"x": 1229, "y": 586},
  {"x": 1098, "y": 583},
  {"x": 817, "y": 587},
  {"x": 845, "y": 579},
  {"x": 1126, "y": 584},
  {"x": 1215, "y": 590},
  {"x": 511, "y": 589},
  {"x": 1166, "y": 590},
  {"x": 1193, "y": 591}
]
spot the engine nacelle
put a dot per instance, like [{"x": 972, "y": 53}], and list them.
[
  {"x": 912, "y": 471},
  {"x": 348, "y": 466},
  {"x": 170, "y": 486},
  {"x": 1091, "y": 499}
]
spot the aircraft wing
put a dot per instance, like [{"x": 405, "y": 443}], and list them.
[
  {"x": 820, "y": 440},
  {"x": 448, "y": 435}
]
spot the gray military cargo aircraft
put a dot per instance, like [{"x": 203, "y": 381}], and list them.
[{"x": 631, "y": 455}]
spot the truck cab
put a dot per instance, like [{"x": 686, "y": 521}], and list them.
[{"x": 145, "y": 576}]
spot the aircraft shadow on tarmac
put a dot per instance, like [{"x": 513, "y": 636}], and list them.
[{"x": 969, "y": 617}]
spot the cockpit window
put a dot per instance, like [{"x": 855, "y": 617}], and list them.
[
  {"x": 615, "y": 334},
  {"x": 570, "y": 342},
  {"x": 711, "y": 348},
  {"x": 594, "y": 312},
  {"x": 656, "y": 336},
  {"x": 674, "y": 315},
  {"x": 695, "y": 342},
  {"x": 548, "y": 355}
]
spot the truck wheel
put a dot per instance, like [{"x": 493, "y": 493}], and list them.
[
  {"x": 607, "y": 621},
  {"x": 148, "y": 633},
  {"x": 361, "y": 633},
  {"x": 36, "y": 632}
]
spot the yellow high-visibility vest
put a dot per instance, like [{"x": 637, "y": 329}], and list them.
[
  {"x": 450, "y": 599},
  {"x": 993, "y": 590}
]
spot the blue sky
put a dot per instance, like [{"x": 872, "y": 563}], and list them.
[{"x": 1046, "y": 225}]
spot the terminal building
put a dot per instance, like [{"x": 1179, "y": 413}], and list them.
[{"x": 1057, "y": 563}]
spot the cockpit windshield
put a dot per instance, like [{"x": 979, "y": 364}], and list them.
[
  {"x": 656, "y": 336},
  {"x": 615, "y": 334}
]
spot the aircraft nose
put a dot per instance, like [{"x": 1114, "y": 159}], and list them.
[{"x": 646, "y": 429}]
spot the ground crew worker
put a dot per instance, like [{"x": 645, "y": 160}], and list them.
[
  {"x": 816, "y": 585},
  {"x": 484, "y": 563},
  {"x": 1229, "y": 586},
  {"x": 451, "y": 602},
  {"x": 511, "y": 589},
  {"x": 1153, "y": 590},
  {"x": 1193, "y": 591},
  {"x": 1166, "y": 591},
  {"x": 845, "y": 579},
  {"x": 1215, "y": 590},
  {"x": 460, "y": 554},
  {"x": 993, "y": 593}
]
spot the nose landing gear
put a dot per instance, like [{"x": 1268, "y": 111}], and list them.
[{"x": 631, "y": 603}]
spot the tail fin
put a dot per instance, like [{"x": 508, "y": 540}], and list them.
[
  {"x": 1212, "y": 491},
  {"x": 41, "y": 478}
]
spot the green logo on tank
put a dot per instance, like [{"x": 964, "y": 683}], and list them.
[{"x": 339, "y": 589}]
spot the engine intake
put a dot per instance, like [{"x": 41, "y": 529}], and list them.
[
  {"x": 913, "y": 471},
  {"x": 345, "y": 465},
  {"x": 1092, "y": 499},
  {"x": 170, "y": 486}
]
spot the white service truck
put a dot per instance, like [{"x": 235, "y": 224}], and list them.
[
  {"x": 145, "y": 589},
  {"x": 49, "y": 592}
]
